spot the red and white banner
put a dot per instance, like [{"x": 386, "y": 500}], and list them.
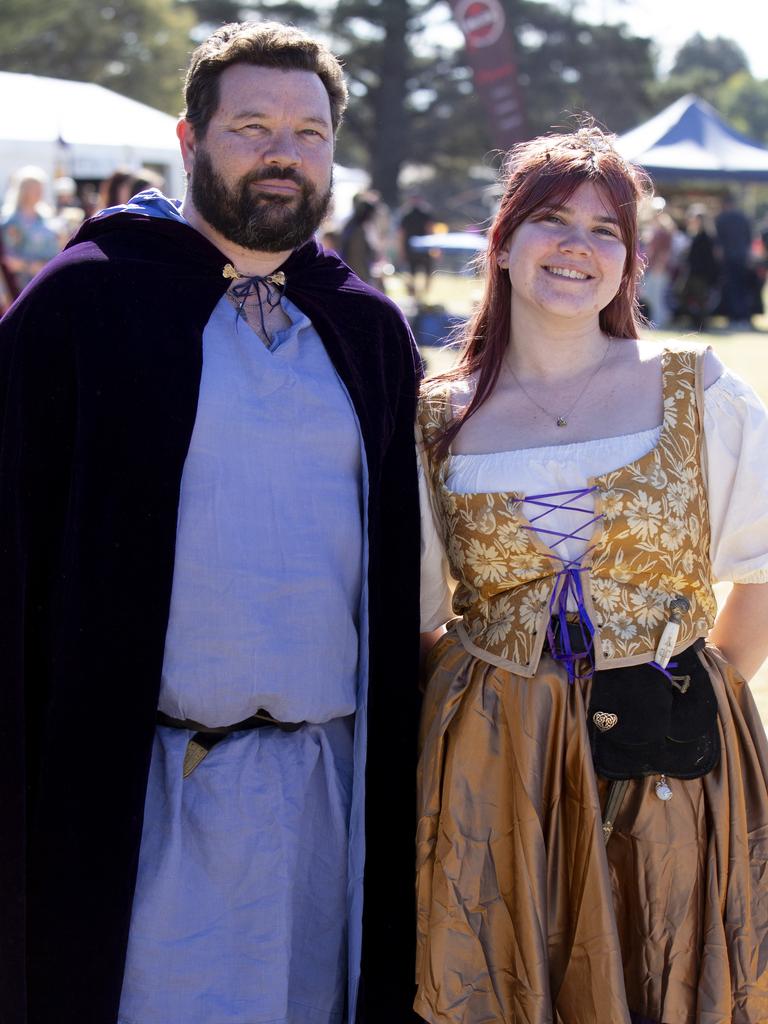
[{"x": 491, "y": 51}]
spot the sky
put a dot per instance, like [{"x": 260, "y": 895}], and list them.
[{"x": 671, "y": 22}]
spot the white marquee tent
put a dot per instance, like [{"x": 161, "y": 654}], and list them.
[{"x": 83, "y": 130}]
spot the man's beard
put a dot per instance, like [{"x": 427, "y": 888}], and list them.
[{"x": 261, "y": 222}]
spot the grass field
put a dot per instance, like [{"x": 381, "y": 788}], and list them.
[{"x": 744, "y": 352}]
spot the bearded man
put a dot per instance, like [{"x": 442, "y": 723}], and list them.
[{"x": 208, "y": 586}]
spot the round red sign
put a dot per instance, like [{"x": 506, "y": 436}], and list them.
[{"x": 481, "y": 21}]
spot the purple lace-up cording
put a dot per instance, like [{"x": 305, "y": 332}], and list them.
[
  {"x": 664, "y": 672},
  {"x": 568, "y": 586}
]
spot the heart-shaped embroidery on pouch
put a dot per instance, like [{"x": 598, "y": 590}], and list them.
[{"x": 605, "y": 720}]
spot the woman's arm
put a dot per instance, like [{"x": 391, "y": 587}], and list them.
[{"x": 741, "y": 628}]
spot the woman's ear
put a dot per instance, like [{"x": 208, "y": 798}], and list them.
[{"x": 502, "y": 259}]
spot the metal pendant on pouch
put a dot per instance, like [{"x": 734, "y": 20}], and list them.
[
  {"x": 677, "y": 607},
  {"x": 663, "y": 789}
]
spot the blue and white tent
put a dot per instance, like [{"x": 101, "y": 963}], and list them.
[{"x": 689, "y": 139}]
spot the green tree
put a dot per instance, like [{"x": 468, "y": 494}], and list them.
[
  {"x": 413, "y": 101},
  {"x": 717, "y": 70},
  {"x": 136, "y": 47},
  {"x": 743, "y": 102},
  {"x": 397, "y": 85},
  {"x": 720, "y": 56},
  {"x": 568, "y": 66},
  {"x": 412, "y": 95}
]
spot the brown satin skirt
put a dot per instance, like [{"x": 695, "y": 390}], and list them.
[{"x": 524, "y": 916}]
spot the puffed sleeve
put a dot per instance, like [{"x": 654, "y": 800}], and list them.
[
  {"x": 435, "y": 588},
  {"x": 736, "y": 433}
]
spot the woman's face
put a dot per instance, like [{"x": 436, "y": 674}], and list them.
[
  {"x": 30, "y": 192},
  {"x": 567, "y": 261}
]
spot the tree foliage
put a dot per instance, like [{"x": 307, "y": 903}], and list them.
[
  {"x": 136, "y": 47},
  {"x": 720, "y": 57},
  {"x": 568, "y": 66},
  {"x": 412, "y": 95},
  {"x": 743, "y": 102},
  {"x": 717, "y": 71},
  {"x": 413, "y": 99}
]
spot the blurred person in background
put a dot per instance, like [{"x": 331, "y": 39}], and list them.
[
  {"x": 416, "y": 219},
  {"x": 697, "y": 290},
  {"x": 734, "y": 240},
  {"x": 658, "y": 238},
  {"x": 122, "y": 185},
  {"x": 29, "y": 239},
  {"x": 69, "y": 210},
  {"x": 9, "y": 289},
  {"x": 117, "y": 189},
  {"x": 360, "y": 244}
]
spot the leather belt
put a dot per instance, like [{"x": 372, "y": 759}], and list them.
[
  {"x": 207, "y": 736},
  {"x": 261, "y": 719}
]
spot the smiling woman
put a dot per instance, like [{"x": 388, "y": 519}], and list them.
[
  {"x": 593, "y": 802},
  {"x": 567, "y": 259}
]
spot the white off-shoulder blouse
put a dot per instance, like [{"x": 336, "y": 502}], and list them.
[{"x": 736, "y": 435}]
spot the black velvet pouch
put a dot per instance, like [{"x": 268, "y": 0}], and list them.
[{"x": 641, "y": 723}]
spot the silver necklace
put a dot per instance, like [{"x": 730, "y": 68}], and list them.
[{"x": 562, "y": 419}]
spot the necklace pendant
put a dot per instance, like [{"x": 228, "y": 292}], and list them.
[{"x": 561, "y": 421}]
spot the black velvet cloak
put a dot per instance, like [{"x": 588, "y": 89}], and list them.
[{"x": 100, "y": 364}]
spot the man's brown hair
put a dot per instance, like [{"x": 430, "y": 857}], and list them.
[{"x": 266, "y": 44}]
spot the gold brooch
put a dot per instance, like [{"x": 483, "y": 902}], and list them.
[{"x": 277, "y": 279}]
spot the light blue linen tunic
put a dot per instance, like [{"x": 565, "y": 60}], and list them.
[{"x": 248, "y": 905}]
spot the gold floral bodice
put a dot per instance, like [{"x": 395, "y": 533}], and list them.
[{"x": 651, "y": 544}]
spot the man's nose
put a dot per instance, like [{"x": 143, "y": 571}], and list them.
[{"x": 283, "y": 149}]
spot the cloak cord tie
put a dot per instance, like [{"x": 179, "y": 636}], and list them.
[{"x": 245, "y": 285}]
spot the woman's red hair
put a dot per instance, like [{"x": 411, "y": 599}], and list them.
[{"x": 541, "y": 173}]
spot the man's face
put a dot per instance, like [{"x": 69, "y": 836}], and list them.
[{"x": 261, "y": 176}]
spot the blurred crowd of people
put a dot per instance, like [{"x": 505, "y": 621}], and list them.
[
  {"x": 33, "y": 229},
  {"x": 700, "y": 265},
  {"x": 374, "y": 241}
]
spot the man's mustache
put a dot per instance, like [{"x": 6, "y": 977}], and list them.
[{"x": 276, "y": 174}]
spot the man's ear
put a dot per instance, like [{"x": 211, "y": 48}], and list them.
[{"x": 185, "y": 133}]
